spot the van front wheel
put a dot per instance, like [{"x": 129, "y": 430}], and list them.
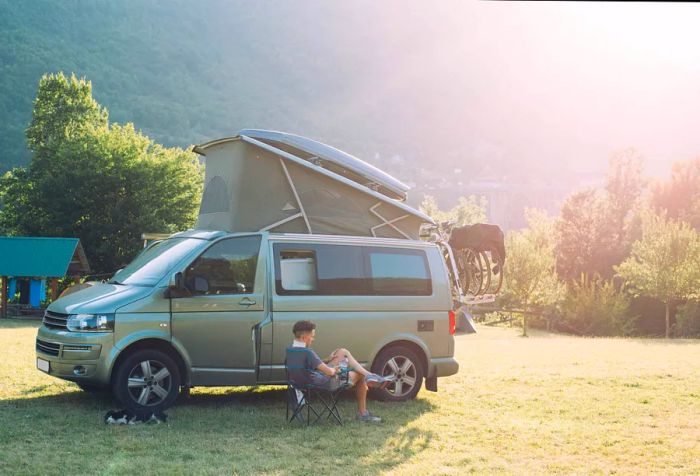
[
  {"x": 147, "y": 381},
  {"x": 405, "y": 366}
]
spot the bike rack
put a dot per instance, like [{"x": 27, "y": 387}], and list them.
[{"x": 465, "y": 299}]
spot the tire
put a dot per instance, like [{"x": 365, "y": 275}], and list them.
[
  {"x": 409, "y": 376},
  {"x": 154, "y": 378}
]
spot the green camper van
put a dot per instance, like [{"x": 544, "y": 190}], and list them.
[
  {"x": 288, "y": 229},
  {"x": 217, "y": 309}
]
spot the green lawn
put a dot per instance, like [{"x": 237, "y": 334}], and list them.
[{"x": 544, "y": 404}]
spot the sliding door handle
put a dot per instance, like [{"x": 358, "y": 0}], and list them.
[{"x": 246, "y": 301}]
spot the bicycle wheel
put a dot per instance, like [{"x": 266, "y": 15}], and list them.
[
  {"x": 495, "y": 265},
  {"x": 484, "y": 262},
  {"x": 471, "y": 271}
]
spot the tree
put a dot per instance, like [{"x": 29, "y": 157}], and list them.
[
  {"x": 665, "y": 263},
  {"x": 530, "y": 278},
  {"x": 624, "y": 184},
  {"x": 583, "y": 239},
  {"x": 105, "y": 184},
  {"x": 63, "y": 108},
  {"x": 596, "y": 227},
  {"x": 469, "y": 210},
  {"x": 679, "y": 197}
]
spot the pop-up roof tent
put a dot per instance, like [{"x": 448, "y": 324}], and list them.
[{"x": 264, "y": 180}]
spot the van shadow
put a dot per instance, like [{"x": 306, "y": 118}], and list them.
[
  {"x": 235, "y": 423},
  {"x": 366, "y": 448}
]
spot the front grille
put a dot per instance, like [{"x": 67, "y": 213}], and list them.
[
  {"x": 55, "y": 320},
  {"x": 47, "y": 347}
]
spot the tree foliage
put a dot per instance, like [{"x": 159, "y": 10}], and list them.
[
  {"x": 596, "y": 227},
  {"x": 64, "y": 108},
  {"x": 103, "y": 183},
  {"x": 688, "y": 320},
  {"x": 679, "y": 197},
  {"x": 469, "y": 210},
  {"x": 665, "y": 263},
  {"x": 530, "y": 278}
]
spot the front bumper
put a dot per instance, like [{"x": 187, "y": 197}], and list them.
[{"x": 75, "y": 356}]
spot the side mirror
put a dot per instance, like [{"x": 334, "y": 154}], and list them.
[{"x": 176, "y": 286}]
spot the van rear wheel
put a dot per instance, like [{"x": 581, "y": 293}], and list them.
[
  {"x": 405, "y": 366},
  {"x": 147, "y": 381}
]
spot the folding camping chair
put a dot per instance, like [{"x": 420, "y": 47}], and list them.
[{"x": 313, "y": 400}]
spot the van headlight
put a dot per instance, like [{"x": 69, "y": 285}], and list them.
[{"x": 91, "y": 322}]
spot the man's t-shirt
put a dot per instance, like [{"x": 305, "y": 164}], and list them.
[{"x": 301, "y": 362}]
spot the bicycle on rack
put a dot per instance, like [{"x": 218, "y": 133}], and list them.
[{"x": 475, "y": 271}]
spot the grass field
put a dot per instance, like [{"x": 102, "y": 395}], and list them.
[{"x": 543, "y": 404}]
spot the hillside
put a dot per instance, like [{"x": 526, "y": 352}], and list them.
[
  {"x": 185, "y": 72},
  {"x": 375, "y": 80}
]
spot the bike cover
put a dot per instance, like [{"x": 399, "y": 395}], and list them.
[{"x": 479, "y": 237}]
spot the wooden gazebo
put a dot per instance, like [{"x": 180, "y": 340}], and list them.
[{"x": 38, "y": 259}]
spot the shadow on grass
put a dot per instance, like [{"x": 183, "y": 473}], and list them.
[{"x": 233, "y": 426}]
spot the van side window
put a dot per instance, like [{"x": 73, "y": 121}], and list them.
[
  {"x": 398, "y": 272},
  {"x": 348, "y": 270},
  {"x": 329, "y": 270},
  {"x": 227, "y": 267}
]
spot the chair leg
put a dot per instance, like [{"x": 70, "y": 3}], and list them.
[{"x": 330, "y": 405}]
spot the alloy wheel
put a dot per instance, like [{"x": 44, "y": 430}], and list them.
[
  {"x": 149, "y": 383},
  {"x": 404, "y": 372}
]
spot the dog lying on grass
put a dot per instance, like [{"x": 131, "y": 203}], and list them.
[{"x": 126, "y": 417}]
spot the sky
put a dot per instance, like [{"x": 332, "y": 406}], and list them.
[{"x": 555, "y": 85}]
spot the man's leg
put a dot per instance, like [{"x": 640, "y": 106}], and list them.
[
  {"x": 340, "y": 354},
  {"x": 360, "y": 391}
]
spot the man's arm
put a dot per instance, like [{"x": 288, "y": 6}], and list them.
[
  {"x": 326, "y": 370},
  {"x": 316, "y": 363}
]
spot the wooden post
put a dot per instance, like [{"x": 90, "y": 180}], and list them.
[
  {"x": 3, "y": 313},
  {"x": 54, "y": 289}
]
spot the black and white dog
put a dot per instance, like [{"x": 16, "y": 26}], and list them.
[{"x": 126, "y": 417}]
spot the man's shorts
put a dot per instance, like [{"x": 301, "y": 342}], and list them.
[{"x": 325, "y": 382}]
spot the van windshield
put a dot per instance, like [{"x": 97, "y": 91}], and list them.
[{"x": 154, "y": 262}]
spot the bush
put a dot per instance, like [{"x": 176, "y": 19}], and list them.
[
  {"x": 594, "y": 307},
  {"x": 688, "y": 320}
]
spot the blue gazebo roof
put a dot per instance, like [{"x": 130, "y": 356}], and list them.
[{"x": 41, "y": 257}]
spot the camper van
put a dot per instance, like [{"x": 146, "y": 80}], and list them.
[
  {"x": 217, "y": 309},
  {"x": 288, "y": 229}
]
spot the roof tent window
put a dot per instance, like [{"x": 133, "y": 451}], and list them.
[
  {"x": 215, "y": 198},
  {"x": 397, "y": 272}
]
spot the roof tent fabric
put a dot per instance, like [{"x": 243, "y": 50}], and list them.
[
  {"x": 251, "y": 185},
  {"x": 39, "y": 256},
  {"x": 334, "y": 160}
]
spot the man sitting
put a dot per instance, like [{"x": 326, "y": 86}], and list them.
[{"x": 308, "y": 368}]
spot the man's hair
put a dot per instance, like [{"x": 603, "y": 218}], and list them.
[{"x": 303, "y": 326}]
